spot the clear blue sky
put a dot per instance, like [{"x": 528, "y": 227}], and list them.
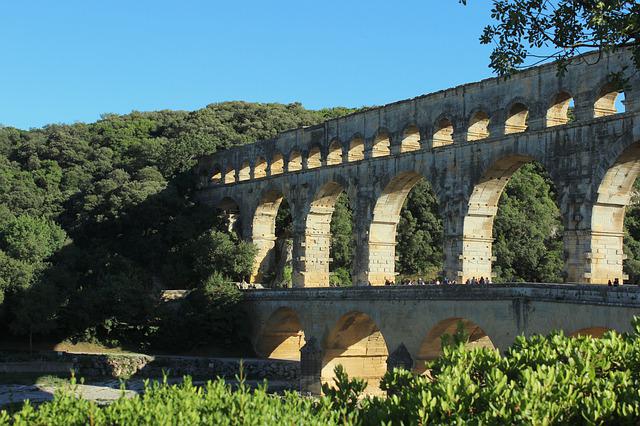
[{"x": 71, "y": 60}]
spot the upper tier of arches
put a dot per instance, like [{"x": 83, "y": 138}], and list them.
[{"x": 519, "y": 115}]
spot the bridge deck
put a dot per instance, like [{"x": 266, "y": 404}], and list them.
[{"x": 627, "y": 296}]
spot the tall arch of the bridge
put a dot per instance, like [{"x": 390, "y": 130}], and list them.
[{"x": 466, "y": 141}]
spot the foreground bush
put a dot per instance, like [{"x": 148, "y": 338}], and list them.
[{"x": 540, "y": 380}]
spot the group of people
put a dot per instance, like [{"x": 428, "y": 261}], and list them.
[
  {"x": 445, "y": 281},
  {"x": 481, "y": 281},
  {"x": 420, "y": 281},
  {"x": 616, "y": 282}
]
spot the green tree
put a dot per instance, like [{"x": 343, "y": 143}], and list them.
[
  {"x": 31, "y": 239},
  {"x": 342, "y": 241},
  {"x": 560, "y": 29},
  {"x": 217, "y": 251},
  {"x": 420, "y": 233},
  {"x": 528, "y": 230}
]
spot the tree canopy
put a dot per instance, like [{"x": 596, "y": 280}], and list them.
[{"x": 559, "y": 30}]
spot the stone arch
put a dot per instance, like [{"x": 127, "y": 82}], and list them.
[
  {"x": 381, "y": 144},
  {"x": 277, "y": 164},
  {"x": 517, "y": 119},
  {"x": 356, "y": 149},
  {"x": 558, "y": 111},
  {"x": 383, "y": 228},
  {"x": 260, "y": 168},
  {"x": 431, "y": 346},
  {"x": 477, "y": 233},
  {"x": 334, "y": 155},
  {"x": 216, "y": 175},
  {"x": 410, "y": 139},
  {"x": 596, "y": 332},
  {"x": 478, "y": 126},
  {"x": 282, "y": 336},
  {"x": 295, "y": 161},
  {"x": 605, "y": 103},
  {"x": 263, "y": 233},
  {"x": 606, "y": 254},
  {"x": 231, "y": 211},
  {"x": 358, "y": 345},
  {"x": 443, "y": 132},
  {"x": 244, "y": 173},
  {"x": 314, "y": 268},
  {"x": 230, "y": 175},
  {"x": 314, "y": 158}
]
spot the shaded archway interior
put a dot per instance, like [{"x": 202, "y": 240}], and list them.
[
  {"x": 314, "y": 159},
  {"x": 264, "y": 233},
  {"x": 313, "y": 268},
  {"x": 282, "y": 336},
  {"x": 383, "y": 228},
  {"x": 478, "y": 126},
  {"x": 231, "y": 212},
  {"x": 410, "y": 139},
  {"x": 606, "y": 253},
  {"x": 381, "y": 145},
  {"x": 431, "y": 347},
  {"x": 357, "y": 344}
]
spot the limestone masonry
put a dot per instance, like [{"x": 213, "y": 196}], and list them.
[{"x": 466, "y": 141}]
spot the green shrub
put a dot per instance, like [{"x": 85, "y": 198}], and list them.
[
  {"x": 340, "y": 278},
  {"x": 540, "y": 380}
]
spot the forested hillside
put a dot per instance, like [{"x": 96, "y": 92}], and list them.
[{"x": 96, "y": 219}]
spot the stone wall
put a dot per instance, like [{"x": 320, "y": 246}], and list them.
[{"x": 146, "y": 366}]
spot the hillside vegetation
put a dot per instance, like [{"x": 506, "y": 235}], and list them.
[{"x": 96, "y": 219}]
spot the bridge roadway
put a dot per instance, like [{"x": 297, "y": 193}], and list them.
[{"x": 367, "y": 329}]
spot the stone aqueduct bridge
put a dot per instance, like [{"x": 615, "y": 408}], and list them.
[
  {"x": 369, "y": 329},
  {"x": 466, "y": 141}
]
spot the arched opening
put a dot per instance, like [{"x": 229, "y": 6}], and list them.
[
  {"x": 216, "y": 176},
  {"x": 459, "y": 329},
  {"x": 478, "y": 126},
  {"x": 609, "y": 100},
  {"x": 410, "y": 139},
  {"x": 356, "y": 150},
  {"x": 356, "y": 343},
  {"x": 277, "y": 164},
  {"x": 314, "y": 268},
  {"x": 381, "y": 145},
  {"x": 342, "y": 243},
  {"x": 314, "y": 160},
  {"x": 245, "y": 172},
  {"x": 596, "y": 332},
  {"x": 271, "y": 223},
  {"x": 407, "y": 200},
  {"x": 616, "y": 192},
  {"x": 512, "y": 213},
  {"x": 230, "y": 212},
  {"x": 443, "y": 134},
  {"x": 334, "y": 156},
  {"x": 260, "y": 168},
  {"x": 230, "y": 175},
  {"x": 295, "y": 161},
  {"x": 558, "y": 113},
  {"x": 517, "y": 119},
  {"x": 282, "y": 336}
]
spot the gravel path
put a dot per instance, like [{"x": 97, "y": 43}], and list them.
[{"x": 101, "y": 392}]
